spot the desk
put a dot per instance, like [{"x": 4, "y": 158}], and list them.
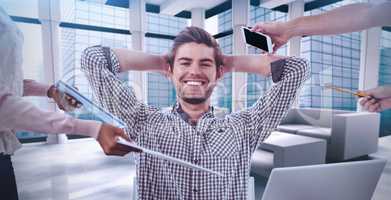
[{"x": 286, "y": 150}]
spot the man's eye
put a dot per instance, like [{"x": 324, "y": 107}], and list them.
[
  {"x": 185, "y": 64},
  {"x": 206, "y": 65}
]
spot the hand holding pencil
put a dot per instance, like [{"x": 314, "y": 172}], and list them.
[{"x": 374, "y": 100}]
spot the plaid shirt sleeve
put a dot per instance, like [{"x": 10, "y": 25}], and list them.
[
  {"x": 113, "y": 95},
  {"x": 269, "y": 110}
]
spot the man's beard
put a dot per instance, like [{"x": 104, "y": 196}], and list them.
[{"x": 197, "y": 100}]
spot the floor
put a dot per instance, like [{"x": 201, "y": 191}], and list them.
[{"x": 79, "y": 170}]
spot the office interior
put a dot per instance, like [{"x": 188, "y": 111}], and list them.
[{"x": 74, "y": 167}]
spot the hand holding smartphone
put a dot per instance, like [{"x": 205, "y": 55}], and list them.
[{"x": 258, "y": 40}]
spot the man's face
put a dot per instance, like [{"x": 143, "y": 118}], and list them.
[{"x": 194, "y": 72}]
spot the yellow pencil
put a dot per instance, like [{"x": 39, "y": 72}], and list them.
[{"x": 339, "y": 89}]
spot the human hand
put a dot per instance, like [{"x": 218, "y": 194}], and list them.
[
  {"x": 107, "y": 139},
  {"x": 63, "y": 101},
  {"x": 277, "y": 31},
  {"x": 370, "y": 104},
  {"x": 165, "y": 66},
  {"x": 381, "y": 92}
]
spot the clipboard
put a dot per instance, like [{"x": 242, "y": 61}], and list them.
[{"x": 98, "y": 111}]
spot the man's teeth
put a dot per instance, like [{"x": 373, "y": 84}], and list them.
[{"x": 194, "y": 83}]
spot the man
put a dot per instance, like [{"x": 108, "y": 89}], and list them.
[
  {"x": 190, "y": 131},
  {"x": 339, "y": 20},
  {"x": 18, "y": 114}
]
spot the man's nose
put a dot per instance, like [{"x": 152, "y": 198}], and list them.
[{"x": 195, "y": 69}]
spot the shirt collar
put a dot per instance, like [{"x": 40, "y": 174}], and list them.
[{"x": 176, "y": 108}]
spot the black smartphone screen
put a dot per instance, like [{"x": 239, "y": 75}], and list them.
[{"x": 255, "y": 39}]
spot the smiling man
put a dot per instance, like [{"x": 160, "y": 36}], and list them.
[{"x": 190, "y": 131}]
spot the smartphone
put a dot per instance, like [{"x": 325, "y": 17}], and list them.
[{"x": 258, "y": 40}]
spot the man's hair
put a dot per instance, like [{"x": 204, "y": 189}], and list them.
[{"x": 199, "y": 36}]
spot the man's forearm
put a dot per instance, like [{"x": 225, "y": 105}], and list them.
[
  {"x": 140, "y": 61},
  {"x": 259, "y": 64},
  {"x": 341, "y": 20}
]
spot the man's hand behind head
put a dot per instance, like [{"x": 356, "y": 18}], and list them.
[{"x": 107, "y": 139}]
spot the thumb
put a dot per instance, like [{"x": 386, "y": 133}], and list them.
[{"x": 121, "y": 133}]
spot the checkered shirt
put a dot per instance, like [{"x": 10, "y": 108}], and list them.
[{"x": 224, "y": 144}]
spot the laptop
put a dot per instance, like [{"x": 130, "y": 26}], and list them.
[{"x": 339, "y": 181}]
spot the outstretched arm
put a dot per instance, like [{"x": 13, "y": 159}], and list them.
[{"x": 349, "y": 18}]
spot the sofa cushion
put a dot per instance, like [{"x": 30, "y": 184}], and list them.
[
  {"x": 316, "y": 132},
  {"x": 293, "y": 128},
  {"x": 262, "y": 162}
]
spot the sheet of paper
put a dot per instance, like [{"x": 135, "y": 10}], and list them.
[
  {"x": 90, "y": 106},
  {"x": 166, "y": 157}
]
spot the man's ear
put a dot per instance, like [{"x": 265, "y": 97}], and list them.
[
  {"x": 169, "y": 72},
  {"x": 220, "y": 72}
]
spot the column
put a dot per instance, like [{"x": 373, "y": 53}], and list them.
[
  {"x": 137, "y": 25},
  {"x": 240, "y": 13},
  {"x": 369, "y": 59},
  {"x": 49, "y": 15},
  {"x": 296, "y": 9},
  {"x": 198, "y": 17}
]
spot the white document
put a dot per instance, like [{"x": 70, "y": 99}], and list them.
[{"x": 166, "y": 157}]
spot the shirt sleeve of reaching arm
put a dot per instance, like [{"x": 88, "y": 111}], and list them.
[
  {"x": 265, "y": 115},
  {"x": 113, "y": 95},
  {"x": 19, "y": 114},
  {"x": 33, "y": 88}
]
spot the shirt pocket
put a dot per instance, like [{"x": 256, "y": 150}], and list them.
[{"x": 222, "y": 142}]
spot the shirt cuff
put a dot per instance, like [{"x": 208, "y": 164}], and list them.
[
  {"x": 277, "y": 68},
  {"x": 87, "y": 127}
]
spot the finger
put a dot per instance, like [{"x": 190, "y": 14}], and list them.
[
  {"x": 367, "y": 105},
  {"x": 373, "y": 107},
  {"x": 121, "y": 133},
  {"x": 362, "y": 101},
  {"x": 373, "y": 100},
  {"x": 73, "y": 102},
  {"x": 255, "y": 28},
  {"x": 276, "y": 47}
]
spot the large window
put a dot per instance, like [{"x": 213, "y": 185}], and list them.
[
  {"x": 385, "y": 78},
  {"x": 94, "y": 12},
  {"x": 161, "y": 92},
  {"x": 334, "y": 60},
  {"x": 75, "y": 40},
  {"x": 256, "y": 84},
  {"x": 222, "y": 94},
  {"x": 165, "y": 24},
  {"x": 20, "y": 8}
]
